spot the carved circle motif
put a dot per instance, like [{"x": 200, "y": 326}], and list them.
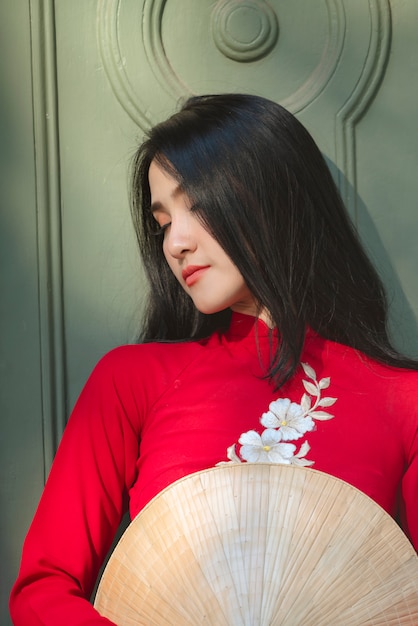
[
  {"x": 244, "y": 30},
  {"x": 228, "y": 26}
]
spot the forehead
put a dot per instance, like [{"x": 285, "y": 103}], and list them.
[
  {"x": 164, "y": 188},
  {"x": 161, "y": 181}
]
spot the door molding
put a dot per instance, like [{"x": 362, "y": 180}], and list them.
[{"x": 49, "y": 233}]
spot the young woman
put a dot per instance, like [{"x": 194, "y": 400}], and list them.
[{"x": 264, "y": 340}]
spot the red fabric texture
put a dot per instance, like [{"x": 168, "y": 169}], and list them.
[{"x": 153, "y": 413}]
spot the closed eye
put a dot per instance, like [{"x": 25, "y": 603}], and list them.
[
  {"x": 160, "y": 229},
  {"x": 161, "y": 219}
]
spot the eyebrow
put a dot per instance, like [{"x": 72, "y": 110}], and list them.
[{"x": 158, "y": 206}]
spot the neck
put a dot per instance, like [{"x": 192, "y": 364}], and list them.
[{"x": 263, "y": 315}]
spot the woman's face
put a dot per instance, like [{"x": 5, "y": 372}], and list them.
[{"x": 196, "y": 259}]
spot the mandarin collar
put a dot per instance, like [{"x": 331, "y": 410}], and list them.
[{"x": 243, "y": 325}]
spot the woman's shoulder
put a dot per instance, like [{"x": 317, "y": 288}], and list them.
[
  {"x": 136, "y": 375},
  {"x": 352, "y": 364},
  {"x": 379, "y": 395},
  {"x": 145, "y": 358}
]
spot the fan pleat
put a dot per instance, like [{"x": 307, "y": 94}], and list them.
[{"x": 258, "y": 545}]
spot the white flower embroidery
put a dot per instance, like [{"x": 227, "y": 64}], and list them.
[
  {"x": 265, "y": 448},
  {"x": 289, "y": 417},
  {"x": 285, "y": 421}
]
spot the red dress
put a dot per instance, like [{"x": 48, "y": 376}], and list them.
[{"x": 153, "y": 413}]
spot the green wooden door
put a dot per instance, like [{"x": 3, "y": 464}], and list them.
[{"x": 80, "y": 82}]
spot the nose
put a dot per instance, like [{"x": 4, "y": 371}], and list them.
[{"x": 179, "y": 238}]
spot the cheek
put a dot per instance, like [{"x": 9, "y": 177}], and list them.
[
  {"x": 164, "y": 249},
  {"x": 167, "y": 256}
]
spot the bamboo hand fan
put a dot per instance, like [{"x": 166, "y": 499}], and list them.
[{"x": 259, "y": 544}]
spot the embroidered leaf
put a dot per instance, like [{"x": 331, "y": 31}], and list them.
[
  {"x": 232, "y": 455},
  {"x": 302, "y": 462},
  {"x": 321, "y": 415},
  {"x": 327, "y": 401},
  {"x": 298, "y": 458},
  {"x": 305, "y": 403},
  {"x": 304, "y": 449},
  {"x": 309, "y": 371},
  {"x": 310, "y": 388},
  {"x": 324, "y": 383}
]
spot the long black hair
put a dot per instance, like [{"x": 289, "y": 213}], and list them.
[{"x": 265, "y": 193}]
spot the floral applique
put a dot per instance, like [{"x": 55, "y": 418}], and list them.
[{"x": 285, "y": 421}]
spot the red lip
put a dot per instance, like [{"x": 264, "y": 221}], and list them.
[{"x": 192, "y": 273}]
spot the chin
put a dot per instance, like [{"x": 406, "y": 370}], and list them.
[{"x": 210, "y": 309}]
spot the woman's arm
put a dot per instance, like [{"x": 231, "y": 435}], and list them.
[{"x": 82, "y": 505}]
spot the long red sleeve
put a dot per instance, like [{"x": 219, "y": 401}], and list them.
[{"x": 84, "y": 499}]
